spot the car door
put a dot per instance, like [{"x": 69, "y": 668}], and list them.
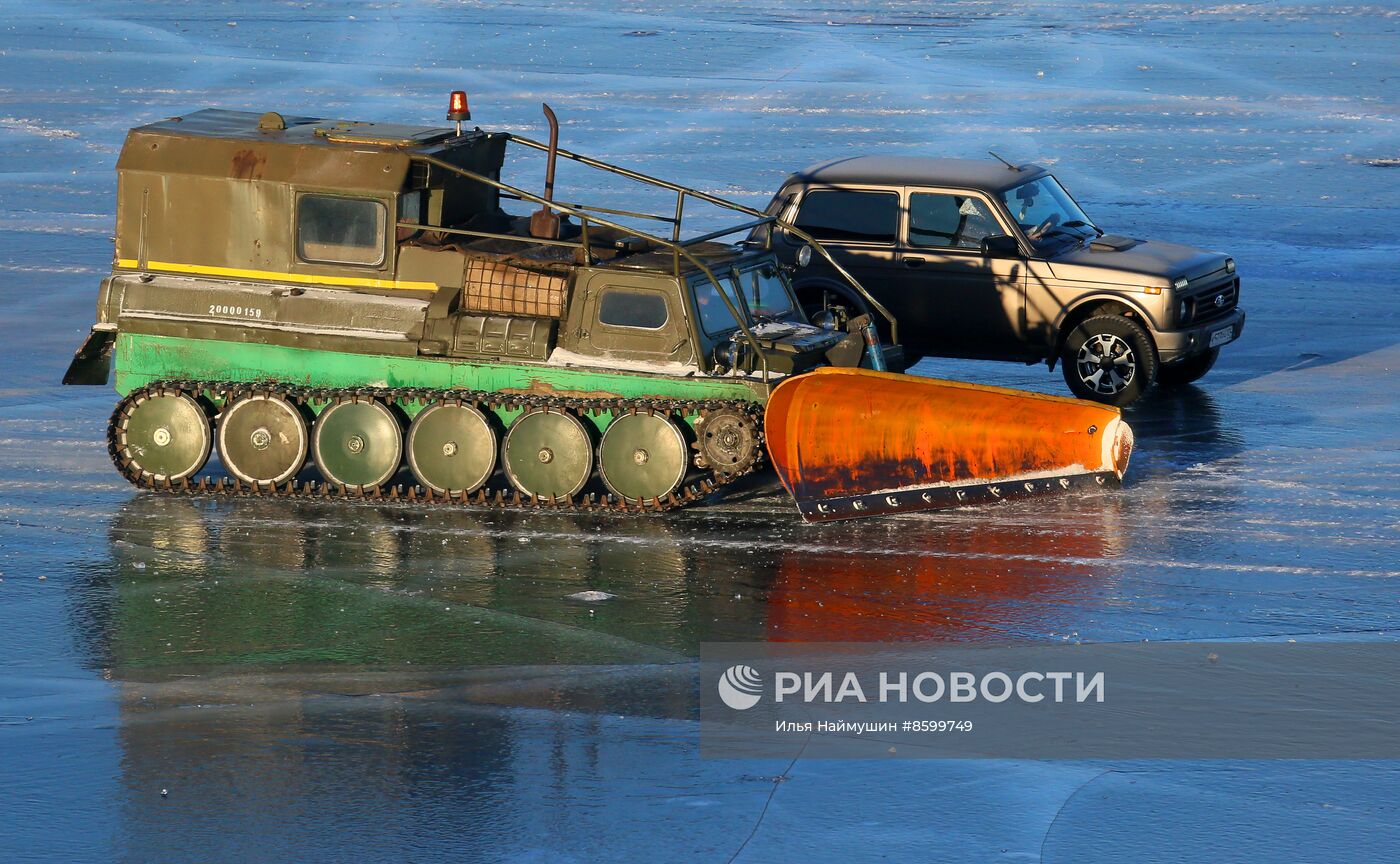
[
  {"x": 859, "y": 227},
  {"x": 955, "y": 301}
]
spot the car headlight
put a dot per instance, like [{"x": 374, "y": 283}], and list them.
[
  {"x": 1181, "y": 283},
  {"x": 1229, "y": 265}
]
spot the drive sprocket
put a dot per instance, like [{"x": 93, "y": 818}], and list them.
[{"x": 727, "y": 441}]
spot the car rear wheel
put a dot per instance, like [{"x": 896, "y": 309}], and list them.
[
  {"x": 1109, "y": 359},
  {"x": 1188, "y": 370}
]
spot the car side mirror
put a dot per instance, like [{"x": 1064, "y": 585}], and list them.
[{"x": 1000, "y": 246}]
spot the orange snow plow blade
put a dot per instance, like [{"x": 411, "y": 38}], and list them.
[{"x": 850, "y": 442}]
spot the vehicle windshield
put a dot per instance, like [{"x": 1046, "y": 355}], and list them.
[
  {"x": 715, "y": 317},
  {"x": 765, "y": 292},
  {"x": 1048, "y": 216}
]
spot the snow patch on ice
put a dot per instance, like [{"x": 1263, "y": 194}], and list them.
[
  {"x": 35, "y": 127},
  {"x": 592, "y": 596},
  {"x": 42, "y": 268}
]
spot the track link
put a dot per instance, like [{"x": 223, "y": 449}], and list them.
[{"x": 493, "y": 495}]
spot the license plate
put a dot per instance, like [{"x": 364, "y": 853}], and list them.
[{"x": 1221, "y": 336}]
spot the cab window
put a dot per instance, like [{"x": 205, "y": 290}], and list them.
[
  {"x": 765, "y": 293},
  {"x": 949, "y": 221},
  {"x": 715, "y": 317},
  {"x": 336, "y": 230},
  {"x": 838, "y": 214},
  {"x": 644, "y": 310}
]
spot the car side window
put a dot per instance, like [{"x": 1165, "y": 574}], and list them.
[
  {"x": 336, "y": 230},
  {"x": 938, "y": 220},
  {"x": 620, "y": 307},
  {"x": 839, "y": 214}
]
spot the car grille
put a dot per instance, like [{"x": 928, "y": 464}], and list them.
[{"x": 1216, "y": 302}]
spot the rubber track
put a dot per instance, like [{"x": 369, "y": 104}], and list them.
[{"x": 412, "y": 493}]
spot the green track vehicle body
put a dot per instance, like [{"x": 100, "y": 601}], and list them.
[
  {"x": 290, "y": 292},
  {"x": 229, "y": 231}
]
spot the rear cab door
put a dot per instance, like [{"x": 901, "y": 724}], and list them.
[{"x": 635, "y": 319}]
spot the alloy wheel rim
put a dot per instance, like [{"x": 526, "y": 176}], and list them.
[{"x": 1106, "y": 364}]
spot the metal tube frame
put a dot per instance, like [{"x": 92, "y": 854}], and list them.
[
  {"x": 675, "y": 244},
  {"x": 683, "y": 192}
]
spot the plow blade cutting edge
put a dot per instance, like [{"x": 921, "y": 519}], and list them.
[{"x": 851, "y": 442}]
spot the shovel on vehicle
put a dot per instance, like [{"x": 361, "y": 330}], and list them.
[{"x": 848, "y": 443}]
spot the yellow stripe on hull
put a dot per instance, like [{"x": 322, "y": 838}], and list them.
[{"x": 272, "y": 276}]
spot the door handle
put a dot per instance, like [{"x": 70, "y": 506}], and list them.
[{"x": 913, "y": 262}]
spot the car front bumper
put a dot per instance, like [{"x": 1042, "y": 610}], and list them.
[{"x": 1174, "y": 345}]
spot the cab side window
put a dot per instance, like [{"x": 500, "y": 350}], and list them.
[
  {"x": 633, "y": 321},
  {"x": 645, "y": 310},
  {"x": 949, "y": 221},
  {"x": 852, "y": 216},
  {"x": 336, "y": 230}
]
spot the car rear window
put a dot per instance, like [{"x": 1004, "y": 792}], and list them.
[{"x": 835, "y": 214}]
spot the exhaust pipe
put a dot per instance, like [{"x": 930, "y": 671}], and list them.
[{"x": 545, "y": 223}]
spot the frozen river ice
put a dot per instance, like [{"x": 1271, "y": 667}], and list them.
[{"x": 247, "y": 681}]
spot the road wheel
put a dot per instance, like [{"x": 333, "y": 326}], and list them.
[
  {"x": 1188, "y": 370},
  {"x": 357, "y": 442},
  {"x": 548, "y": 454},
  {"x": 165, "y": 435},
  {"x": 262, "y": 439},
  {"x": 1109, "y": 359},
  {"x": 452, "y": 448},
  {"x": 642, "y": 457}
]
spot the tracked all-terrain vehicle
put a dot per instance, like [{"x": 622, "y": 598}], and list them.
[{"x": 346, "y": 309}]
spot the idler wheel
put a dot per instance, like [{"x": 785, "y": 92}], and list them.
[
  {"x": 642, "y": 457},
  {"x": 727, "y": 440},
  {"x": 548, "y": 454},
  {"x": 451, "y": 448},
  {"x": 163, "y": 435},
  {"x": 357, "y": 441},
  {"x": 262, "y": 439}
]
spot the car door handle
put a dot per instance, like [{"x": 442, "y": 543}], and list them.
[{"x": 913, "y": 262}]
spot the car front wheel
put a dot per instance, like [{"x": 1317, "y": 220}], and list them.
[{"x": 1109, "y": 359}]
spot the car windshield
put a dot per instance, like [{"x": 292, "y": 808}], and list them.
[{"x": 1048, "y": 216}]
